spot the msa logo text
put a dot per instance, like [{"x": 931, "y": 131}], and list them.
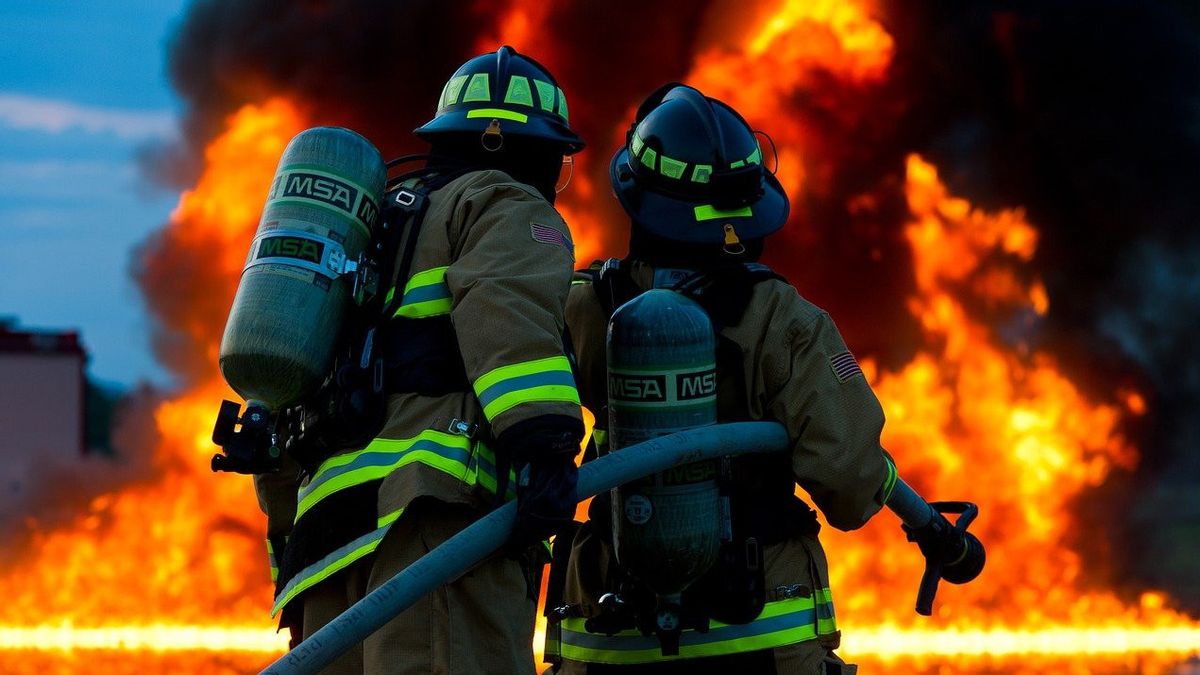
[
  {"x": 647, "y": 388},
  {"x": 689, "y": 473},
  {"x": 367, "y": 211},
  {"x": 290, "y": 247},
  {"x": 701, "y": 384},
  {"x": 323, "y": 189}
]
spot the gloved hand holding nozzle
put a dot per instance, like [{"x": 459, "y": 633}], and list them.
[{"x": 951, "y": 553}]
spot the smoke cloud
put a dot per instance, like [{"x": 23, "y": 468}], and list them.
[{"x": 1085, "y": 113}]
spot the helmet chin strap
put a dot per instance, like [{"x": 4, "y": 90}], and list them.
[
  {"x": 569, "y": 161},
  {"x": 774, "y": 150}
]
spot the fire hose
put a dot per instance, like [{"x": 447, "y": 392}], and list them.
[{"x": 464, "y": 550}]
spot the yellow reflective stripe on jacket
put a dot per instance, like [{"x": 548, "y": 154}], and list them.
[
  {"x": 782, "y": 622},
  {"x": 274, "y": 563},
  {"x": 826, "y": 620},
  {"x": 486, "y": 474},
  {"x": 326, "y": 567},
  {"x": 543, "y": 380},
  {"x": 384, "y": 521},
  {"x": 449, "y": 453},
  {"x": 426, "y": 294},
  {"x": 365, "y": 465}
]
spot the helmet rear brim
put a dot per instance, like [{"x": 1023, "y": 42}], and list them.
[
  {"x": 534, "y": 127},
  {"x": 689, "y": 221}
]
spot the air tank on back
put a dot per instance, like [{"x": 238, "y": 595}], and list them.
[
  {"x": 662, "y": 379},
  {"x": 293, "y": 296}
]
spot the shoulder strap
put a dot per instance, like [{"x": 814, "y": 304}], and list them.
[
  {"x": 612, "y": 284},
  {"x": 406, "y": 206},
  {"x": 725, "y": 292}
]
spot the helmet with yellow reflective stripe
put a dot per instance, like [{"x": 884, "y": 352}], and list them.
[
  {"x": 503, "y": 92},
  {"x": 692, "y": 170}
]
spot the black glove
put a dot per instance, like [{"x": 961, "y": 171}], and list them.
[
  {"x": 937, "y": 539},
  {"x": 543, "y": 453},
  {"x": 958, "y": 554}
]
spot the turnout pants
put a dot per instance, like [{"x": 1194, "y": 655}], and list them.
[{"x": 481, "y": 623}]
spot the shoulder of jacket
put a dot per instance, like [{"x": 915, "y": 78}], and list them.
[
  {"x": 474, "y": 184},
  {"x": 785, "y": 306}
]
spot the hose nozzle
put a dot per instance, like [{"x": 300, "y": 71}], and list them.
[{"x": 951, "y": 553}]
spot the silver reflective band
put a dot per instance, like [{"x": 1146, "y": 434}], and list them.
[{"x": 333, "y": 262}]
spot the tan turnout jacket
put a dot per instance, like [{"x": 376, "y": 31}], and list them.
[
  {"x": 494, "y": 256},
  {"x": 796, "y": 373}
]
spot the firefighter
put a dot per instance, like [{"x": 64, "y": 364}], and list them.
[
  {"x": 692, "y": 180},
  {"x": 481, "y": 405}
]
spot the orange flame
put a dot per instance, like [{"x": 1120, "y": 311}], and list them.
[
  {"x": 970, "y": 418},
  {"x": 186, "y": 549}
]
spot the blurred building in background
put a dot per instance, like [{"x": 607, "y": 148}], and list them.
[{"x": 43, "y": 409}]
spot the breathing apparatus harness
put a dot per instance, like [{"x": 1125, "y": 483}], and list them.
[
  {"x": 349, "y": 408},
  {"x": 760, "y": 507}
]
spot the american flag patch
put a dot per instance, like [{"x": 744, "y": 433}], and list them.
[
  {"x": 549, "y": 235},
  {"x": 844, "y": 366}
]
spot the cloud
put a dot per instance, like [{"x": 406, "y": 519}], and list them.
[
  {"x": 71, "y": 184},
  {"x": 18, "y": 111}
]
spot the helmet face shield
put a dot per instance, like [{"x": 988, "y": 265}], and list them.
[
  {"x": 691, "y": 167},
  {"x": 503, "y": 92}
]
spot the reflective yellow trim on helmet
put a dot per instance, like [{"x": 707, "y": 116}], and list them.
[
  {"x": 755, "y": 157},
  {"x": 562, "y": 104},
  {"x": 710, "y": 212},
  {"x": 671, "y": 168},
  {"x": 635, "y": 144},
  {"x": 545, "y": 94},
  {"x": 738, "y": 164},
  {"x": 519, "y": 91},
  {"x": 648, "y": 157},
  {"x": 498, "y": 112},
  {"x": 478, "y": 89},
  {"x": 452, "y": 90},
  {"x": 701, "y": 173}
]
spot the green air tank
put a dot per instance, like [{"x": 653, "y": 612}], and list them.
[
  {"x": 296, "y": 288},
  {"x": 662, "y": 379}
]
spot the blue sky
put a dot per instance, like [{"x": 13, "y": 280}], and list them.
[{"x": 83, "y": 86}]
